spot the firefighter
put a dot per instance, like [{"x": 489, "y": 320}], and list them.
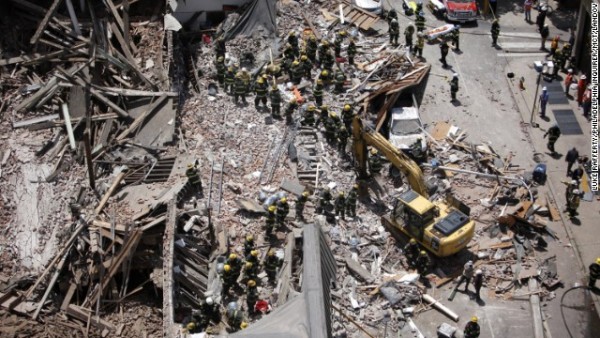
[
  {"x": 210, "y": 312},
  {"x": 554, "y": 44},
  {"x": 340, "y": 205},
  {"x": 375, "y": 165},
  {"x": 235, "y": 319},
  {"x": 253, "y": 257},
  {"x": 275, "y": 96},
  {"x": 229, "y": 279},
  {"x": 306, "y": 66},
  {"x": 311, "y": 48},
  {"x": 293, "y": 41},
  {"x": 308, "y": 118},
  {"x": 260, "y": 88},
  {"x": 328, "y": 61},
  {"x": 271, "y": 265},
  {"x": 331, "y": 128},
  {"x": 342, "y": 138},
  {"x": 351, "y": 51},
  {"x": 472, "y": 329},
  {"x": 394, "y": 32},
  {"x": 558, "y": 60},
  {"x": 323, "y": 49},
  {"x": 324, "y": 77},
  {"x": 456, "y": 38},
  {"x": 240, "y": 89},
  {"x": 420, "y": 21},
  {"x": 391, "y": 15},
  {"x": 283, "y": 209},
  {"x": 229, "y": 80},
  {"x": 236, "y": 264},
  {"x": 220, "y": 48},
  {"x": 337, "y": 43},
  {"x": 251, "y": 295},
  {"x": 411, "y": 251},
  {"x": 594, "y": 273},
  {"x": 194, "y": 178},
  {"x": 323, "y": 116},
  {"x": 318, "y": 92},
  {"x": 270, "y": 221},
  {"x": 297, "y": 71},
  {"x": 288, "y": 52},
  {"x": 289, "y": 110},
  {"x": 324, "y": 201},
  {"x": 250, "y": 271},
  {"x": 495, "y": 30},
  {"x": 422, "y": 262},
  {"x": 573, "y": 203},
  {"x": 299, "y": 205},
  {"x": 273, "y": 70},
  {"x": 221, "y": 70},
  {"x": 454, "y": 86},
  {"x": 347, "y": 116},
  {"x": 249, "y": 244},
  {"x": 419, "y": 45},
  {"x": 444, "y": 48},
  {"x": 340, "y": 80},
  {"x": 409, "y": 31},
  {"x": 553, "y": 134},
  {"x": 351, "y": 201}
]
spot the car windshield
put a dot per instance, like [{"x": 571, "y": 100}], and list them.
[{"x": 406, "y": 127}]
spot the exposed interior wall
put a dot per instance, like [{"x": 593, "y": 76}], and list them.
[{"x": 199, "y": 14}]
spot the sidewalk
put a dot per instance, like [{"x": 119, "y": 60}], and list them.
[{"x": 582, "y": 233}]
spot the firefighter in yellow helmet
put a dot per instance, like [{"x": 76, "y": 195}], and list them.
[
  {"x": 472, "y": 328},
  {"x": 351, "y": 201},
  {"x": 594, "y": 273},
  {"x": 300, "y": 203},
  {"x": 375, "y": 164},
  {"x": 260, "y": 89},
  {"x": 248, "y": 244},
  {"x": 270, "y": 221},
  {"x": 411, "y": 251},
  {"x": 272, "y": 263},
  {"x": 289, "y": 110},
  {"x": 283, "y": 209},
  {"x": 422, "y": 262},
  {"x": 340, "y": 205},
  {"x": 229, "y": 279},
  {"x": 251, "y": 295}
]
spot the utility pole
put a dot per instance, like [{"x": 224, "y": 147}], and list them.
[{"x": 535, "y": 97}]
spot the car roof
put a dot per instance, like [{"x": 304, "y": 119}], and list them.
[{"x": 405, "y": 113}]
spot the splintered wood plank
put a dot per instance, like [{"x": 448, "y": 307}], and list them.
[{"x": 44, "y": 22}]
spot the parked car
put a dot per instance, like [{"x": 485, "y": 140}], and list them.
[
  {"x": 372, "y": 6},
  {"x": 405, "y": 128},
  {"x": 455, "y": 10}
]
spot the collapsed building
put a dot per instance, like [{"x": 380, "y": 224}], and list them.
[{"x": 106, "y": 104}]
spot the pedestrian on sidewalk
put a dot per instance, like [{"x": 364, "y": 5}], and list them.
[
  {"x": 544, "y": 97},
  {"x": 572, "y": 156},
  {"x": 466, "y": 275},
  {"x": 478, "y": 283},
  {"x": 527, "y": 7},
  {"x": 544, "y": 33},
  {"x": 581, "y": 85},
  {"x": 553, "y": 134},
  {"x": 444, "y": 51},
  {"x": 495, "y": 32},
  {"x": 569, "y": 80},
  {"x": 594, "y": 273},
  {"x": 586, "y": 102}
]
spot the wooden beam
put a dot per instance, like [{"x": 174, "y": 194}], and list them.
[
  {"x": 120, "y": 22},
  {"x": 110, "y": 191},
  {"x": 140, "y": 119},
  {"x": 44, "y": 22},
  {"x": 84, "y": 315}
]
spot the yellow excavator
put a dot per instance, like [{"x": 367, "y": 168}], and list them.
[{"x": 441, "y": 228}]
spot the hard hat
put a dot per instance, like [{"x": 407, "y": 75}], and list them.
[
  {"x": 324, "y": 107},
  {"x": 598, "y": 260},
  {"x": 272, "y": 208},
  {"x": 190, "y": 165},
  {"x": 261, "y": 80},
  {"x": 413, "y": 241},
  {"x": 265, "y": 76},
  {"x": 421, "y": 13},
  {"x": 455, "y": 75},
  {"x": 251, "y": 283},
  {"x": 342, "y": 33},
  {"x": 470, "y": 263},
  {"x": 243, "y": 325},
  {"x": 394, "y": 21},
  {"x": 545, "y": 88},
  {"x": 544, "y": 8},
  {"x": 355, "y": 187},
  {"x": 190, "y": 326},
  {"x": 495, "y": 21},
  {"x": 209, "y": 301},
  {"x": 305, "y": 194},
  {"x": 304, "y": 58},
  {"x": 546, "y": 26},
  {"x": 295, "y": 63},
  {"x": 576, "y": 191},
  {"x": 474, "y": 319},
  {"x": 343, "y": 128},
  {"x": 244, "y": 69},
  {"x": 570, "y": 70},
  {"x": 292, "y": 33},
  {"x": 293, "y": 100},
  {"x": 324, "y": 42},
  {"x": 271, "y": 252},
  {"x": 324, "y": 73},
  {"x": 478, "y": 272},
  {"x": 373, "y": 151},
  {"x": 347, "y": 107},
  {"x": 333, "y": 115},
  {"x": 230, "y": 69},
  {"x": 312, "y": 108},
  {"x": 341, "y": 193},
  {"x": 248, "y": 265},
  {"x": 283, "y": 200},
  {"x": 254, "y": 253},
  {"x": 232, "y": 256},
  {"x": 313, "y": 38},
  {"x": 226, "y": 267},
  {"x": 249, "y": 238},
  {"x": 320, "y": 82},
  {"x": 220, "y": 59},
  {"x": 423, "y": 252},
  {"x": 583, "y": 77},
  {"x": 274, "y": 88},
  {"x": 574, "y": 182}
]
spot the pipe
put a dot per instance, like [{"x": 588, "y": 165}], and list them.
[
  {"x": 536, "y": 312},
  {"x": 497, "y": 177},
  {"x": 430, "y": 300}
]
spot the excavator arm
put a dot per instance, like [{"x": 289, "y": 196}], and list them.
[{"x": 363, "y": 138}]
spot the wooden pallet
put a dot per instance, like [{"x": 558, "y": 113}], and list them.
[{"x": 359, "y": 17}]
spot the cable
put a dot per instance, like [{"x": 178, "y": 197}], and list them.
[{"x": 561, "y": 306}]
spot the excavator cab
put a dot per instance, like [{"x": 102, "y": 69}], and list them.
[{"x": 414, "y": 213}]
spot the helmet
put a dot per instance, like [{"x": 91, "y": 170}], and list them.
[
  {"x": 271, "y": 253},
  {"x": 455, "y": 75},
  {"x": 598, "y": 260},
  {"x": 583, "y": 77},
  {"x": 312, "y": 38},
  {"x": 570, "y": 70},
  {"x": 373, "y": 151},
  {"x": 413, "y": 241},
  {"x": 355, "y": 187},
  {"x": 312, "y": 108},
  {"x": 191, "y": 326},
  {"x": 295, "y": 63},
  {"x": 470, "y": 263},
  {"x": 324, "y": 107},
  {"x": 243, "y": 325},
  {"x": 254, "y": 253},
  {"x": 249, "y": 238},
  {"x": 274, "y": 88},
  {"x": 304, "y": 58},
  {"x": 320, "y": 82},
  {"x": 272, "y": 208},
  {"x": 421, "y": 13},
  {"x": 248, "y": 265},
  {"x": 478, "y": 272},
  {"x": 341, "y": 193},
  {"x": 342, "y": 33},
  {"x": 394, "y": 21},
  {"x": 244, "y": 69},
  {"x": 333, "y": 115},
  {"x": 226, "y": 267},
  {"x": 261, "y": 80},
  {"x": 283, "y": 200},
  {"x": 251, "y": 283},
  {"x": 265, "y": 76},
  {"x": 209, "y": 301},
  {"x": 576, "y": 191},
  {"x": 305, "y": 194},
  {"x": 343, "y": 128},
  {"x": 220, "y": 59},
  {"x": 324, "y": 73},
  {"x": 423, "y": 253},
  {"x": 190, "y": 166},
  {"x": 545, "y": 88},
  {"x": 574, "y": 182},
  {"x": 347, "y": 107},
  {"x": 325, "y": 43},
  {"x": 232, "y": 256},
  {"x": 474, "y": 319},
  {"x": 293, "y": 100},
  {"x": 292, "y": 33}
]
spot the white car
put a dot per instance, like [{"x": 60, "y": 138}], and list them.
[
  {"x": 372, "y": 6},
  {"x": 406, "y": 128}
]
